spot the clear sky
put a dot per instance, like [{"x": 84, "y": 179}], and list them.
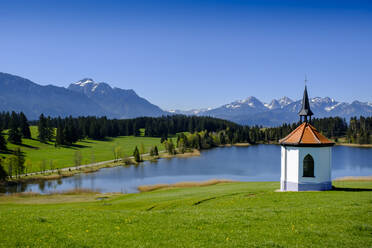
[{"x": 191, "y": 54}]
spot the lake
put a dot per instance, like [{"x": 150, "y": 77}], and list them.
[{"x": 253, "y": 163}]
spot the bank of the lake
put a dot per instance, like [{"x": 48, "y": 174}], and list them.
[
  {"x": 253, "y": 163},
  {"x": 55, "y": 174},
  {"x": 355, "y": 145},
  {"x": 240, "y": 214}
]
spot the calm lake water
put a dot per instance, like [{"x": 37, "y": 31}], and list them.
[{"x": 254, "y": 163}]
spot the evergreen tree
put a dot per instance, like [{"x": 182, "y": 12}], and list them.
[
  {"x": 156, "y": 151},
  {"x": 136, "y": 155},
  {"x": 49, "y": 129},
  {"x": 59, "y": 136},
  {"x": 20, "y": 161},
  {"x": 3, "y": 174},
  {"x": 222, "y": 138},
  {"x": 2, "y": 141},
  {"x": 43, "y": 129},
  {"x": 24, "y": 126},
  {"x": 136, "y": 130},
  {"x": 14, "y": 134}
]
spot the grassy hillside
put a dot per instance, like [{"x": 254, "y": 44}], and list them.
[
  {"x": 223, "y": 215},
  {"x": 92, "y": 150}
]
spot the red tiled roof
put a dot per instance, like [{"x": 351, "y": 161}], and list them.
[{"x": 306, "y": 135}]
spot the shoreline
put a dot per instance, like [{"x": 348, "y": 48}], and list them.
[
  {"x": 55, "y": 174},
  {"x": 354, "y": 145},
  {"x": 354, "y": 178}
]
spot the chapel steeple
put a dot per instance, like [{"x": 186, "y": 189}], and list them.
[{"x": 305, "y": 109}]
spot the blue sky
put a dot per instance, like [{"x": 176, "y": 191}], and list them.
[{"x": 191, "y": 54}]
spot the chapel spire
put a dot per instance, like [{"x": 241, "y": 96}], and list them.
[{"x": 305, "y": 109}]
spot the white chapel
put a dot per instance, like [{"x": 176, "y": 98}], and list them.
[{"x": 306, "y": 156}]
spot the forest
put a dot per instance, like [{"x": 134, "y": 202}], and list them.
[
  {"x": 192, "y": 132},
  {"x": 67, "y": 131}
]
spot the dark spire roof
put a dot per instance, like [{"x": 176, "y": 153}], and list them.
[{"x": 305, "y": 110}]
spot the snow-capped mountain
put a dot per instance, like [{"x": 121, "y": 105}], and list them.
[
  {"x": 90, "y": 88},
  {"x": 280, "y": 103},
  {"x": 87, "y": 97},
  {"x": 252, "y": 111},
  {"x": 82, "y": 98},
  {"x": 118, "y": 102}
]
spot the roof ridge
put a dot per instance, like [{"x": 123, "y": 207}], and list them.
[
  {"x": 303, "y": 131},
  {"x": 287, "y": 137},
  {"x": 314, "y": 134},
  {"x": 301, "y": 137}
]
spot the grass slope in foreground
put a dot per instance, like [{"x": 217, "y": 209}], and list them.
[
  {"x": 224, "y": 215},
  {"x": 91, "y": 150}
]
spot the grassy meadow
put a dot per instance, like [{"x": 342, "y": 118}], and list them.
[
  {"x": 239, "y": 214},
  {"x": 91, "y": 150}
]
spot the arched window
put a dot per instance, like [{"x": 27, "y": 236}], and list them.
[{"x": 308, "y": 166}]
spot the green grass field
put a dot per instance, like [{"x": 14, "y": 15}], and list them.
[
  {"x": 247, "y": 214},
  {"x": 92, "y": 150}
]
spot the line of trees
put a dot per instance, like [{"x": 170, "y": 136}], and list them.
[
  {"x": 359, "y": 130},
  {"x": 18, "y": 128},
  {"x": 15, "y": 165},
  {"x": 192, "y": 132},
  {"x": 69, "y": 130}
]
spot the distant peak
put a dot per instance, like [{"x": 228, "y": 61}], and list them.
[
  {"x": 285, "y": 99},
  {"x": 84, "y": 81}
]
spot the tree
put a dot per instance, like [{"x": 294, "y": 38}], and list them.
[
  {"x": 43, "y": 129},
  {"x": 136, "y": 130},
  {"x": 3, "y": 174},
  {"x": 24, "y": 126},
  {"x": 11, "y": 163},
  {"x": 156, "y": 151},
  {"x": 169, "y": 147},
  {"x": 49, "y": 129},
  {"x": 163, "y": 138},
  {"x": 182, "y": 145},
  {"x": 136, "y": 155},
  {"x": 59, "y": 136},
  {"x": 222, "y": 138},
  {"x": 118, "y": 153},
  {"x": 152, "y": 153},
  {"x": 2, "y": 141},
  {"x": 14, "y": 134},
  {"x": 20, "y": 161}
]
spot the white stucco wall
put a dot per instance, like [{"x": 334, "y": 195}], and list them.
[
  {"x": 322, "y": 164},
  {"x": 289, "y": 164},
  {"x": 292, "y": 164}
]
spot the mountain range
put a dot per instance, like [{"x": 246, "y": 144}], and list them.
[
  {"x": 87, "y": 97},
  {"x": 82, "y": 98},
  {"x": 251, "y": 111}
]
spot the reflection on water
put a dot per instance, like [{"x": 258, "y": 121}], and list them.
[{"x": 254, "y": 163}]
